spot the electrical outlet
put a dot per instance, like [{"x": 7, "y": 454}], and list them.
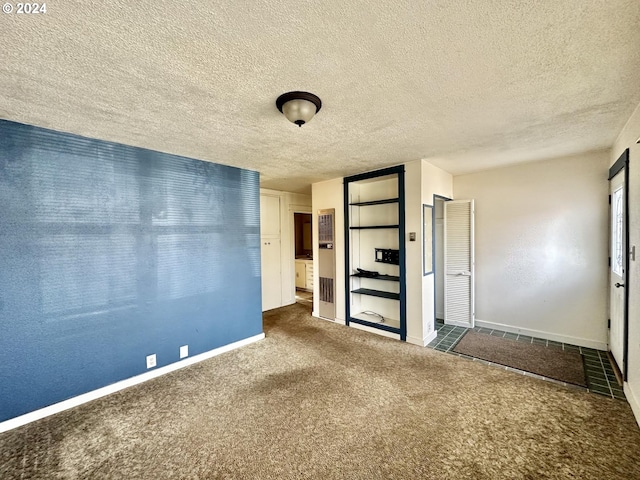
[
  {"x": 151, "y": 361},
  {"x": 184, "y": 351}
]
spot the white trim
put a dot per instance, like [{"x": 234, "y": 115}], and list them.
[
  {"x": 633, "y": 401},
  {"x": 289, "y": 260},
  {"x": 424, "y": 341},
  {"x": 581, "y": 342},
  {"x": 115, "y": 387},
  {"x": 339, "y": 321}
]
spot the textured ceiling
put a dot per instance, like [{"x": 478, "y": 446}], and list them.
[{"x": 467, "y": 85}]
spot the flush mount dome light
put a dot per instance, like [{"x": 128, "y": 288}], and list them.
[{"x": 299, "y": 107}]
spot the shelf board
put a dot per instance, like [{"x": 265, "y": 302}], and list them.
[
  {"x": 377, "y": 293},
  {"x": 389, "y": 324},
  {"x": 390, "y": 278},
  {"x": 375, "y": 202},
  {"x": 371, "y": 227}
]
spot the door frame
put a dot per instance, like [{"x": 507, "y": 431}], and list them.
[
  {"x": 433, "y": 255},
  {"x": 293, "y": 209},
  {"x": 470, "y": 274},
  {"x": 620, "y": 164}
]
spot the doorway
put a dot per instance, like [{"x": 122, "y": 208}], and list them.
[
  {"x": 303, "y": 253},
  {"x": 438, "y": 247},
  {"x": 619, "y": 261}
]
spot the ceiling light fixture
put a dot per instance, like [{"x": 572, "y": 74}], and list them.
[{"x": 299, "y": 107}]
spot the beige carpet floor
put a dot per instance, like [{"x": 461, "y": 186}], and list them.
[{"x": 322, "y": 401}]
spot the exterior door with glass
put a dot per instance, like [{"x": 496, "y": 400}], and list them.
[{"x": 618, "y": 250}]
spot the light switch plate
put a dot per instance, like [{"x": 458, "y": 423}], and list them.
[{"x": 184, "y": 351}]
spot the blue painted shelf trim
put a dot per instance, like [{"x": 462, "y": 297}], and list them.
[
  {"x": 379, "y": 326},
  {"x": 372, "y": 227},
  {"x": 375, "y": 202},
  {"x": 399, "y": 171},
  {"x": 389, "y": 278},
  {"x": 377, "y": 293}
]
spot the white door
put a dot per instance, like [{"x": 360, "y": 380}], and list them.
[
  {"x": 459, "y": 308},
  {"x": 617, "y": 251},
  {"x": 271, "y": 276},
  {"x": 269, "y": 215}
]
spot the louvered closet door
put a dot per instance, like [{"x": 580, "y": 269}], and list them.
[{"x": 458, "y": 263}]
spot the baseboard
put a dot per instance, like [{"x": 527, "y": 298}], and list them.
[
  {"x": 335, "y": 320},
  {"x": 115, "y": 387},
  {"x": 581, "y": 342},
  {"x": 423, "y": 342},
  {"x": 633, "y": 402}
]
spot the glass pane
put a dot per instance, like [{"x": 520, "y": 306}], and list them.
[{"x": 617, "y": 227}]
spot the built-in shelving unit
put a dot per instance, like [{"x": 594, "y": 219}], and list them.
[
  {"x": 374, "y": 227},
  {"x": 375, "y": 254}
]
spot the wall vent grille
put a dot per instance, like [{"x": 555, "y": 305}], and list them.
[
  {"x": 325, "y": 230},
  {"x": 326, "y": 290}
]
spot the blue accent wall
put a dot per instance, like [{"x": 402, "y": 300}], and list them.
[{"x": 109, "y": 253}]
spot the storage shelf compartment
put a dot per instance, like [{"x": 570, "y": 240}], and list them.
[
  {"x": 390, "y": 278},
  {"x": 371, "y": 227},
  {"x": 375, "y": 202},
  {"x": 377, "y": 293},
  {"x": 389, "y": 324},
  {"x": 374, "y": 236}
]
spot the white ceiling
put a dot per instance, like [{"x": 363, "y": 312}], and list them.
[{"x": 467, "y": 85}]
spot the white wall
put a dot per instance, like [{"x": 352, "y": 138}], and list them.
[
  {"x": 627, "y": 139},
  {"x": 326, "y": 195},
  {"x": 435, "y": 181},
  {"x": 541, "y": 247},
  {"x": 289, "y": 203},
  {"x": 413, "y": 223}
]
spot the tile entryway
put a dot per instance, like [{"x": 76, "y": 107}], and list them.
[{"x": 600, "y": 376}]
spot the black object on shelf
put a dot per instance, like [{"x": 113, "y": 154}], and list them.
[
  {"x": 388, "y": 255},
  {"x": 377, "y": 293},
  {"x": 367, "y": 273}
]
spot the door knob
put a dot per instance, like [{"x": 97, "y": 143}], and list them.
[{"x": 618, "y": 285}]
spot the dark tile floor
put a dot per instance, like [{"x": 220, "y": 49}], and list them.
[{"x": 600, "y": 376}]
